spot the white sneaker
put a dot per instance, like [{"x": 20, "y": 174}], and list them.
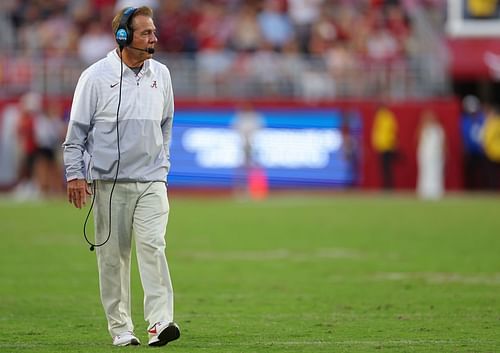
[
  {"x": 126, "y": 338},
  {"x": 163, "y": 332}
]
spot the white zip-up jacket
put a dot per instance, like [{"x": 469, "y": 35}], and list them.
[{"x": 145, "y": 123}]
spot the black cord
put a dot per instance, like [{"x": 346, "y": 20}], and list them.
[{"x": 92, "y": 245}]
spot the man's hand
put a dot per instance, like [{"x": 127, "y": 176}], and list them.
[{"x": 78, "y": 189}]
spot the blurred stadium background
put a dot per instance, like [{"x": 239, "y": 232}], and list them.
[
  {"x": 309, "y": 75},
  {"x": 271, "y": 95}
]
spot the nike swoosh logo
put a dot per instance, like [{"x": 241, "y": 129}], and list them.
[{"x": 111, "y": 86}]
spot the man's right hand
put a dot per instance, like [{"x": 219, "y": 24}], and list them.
[{"x": 77, "y": 190}]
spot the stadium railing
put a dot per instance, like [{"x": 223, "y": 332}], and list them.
[{"x": 247, "y": 75}]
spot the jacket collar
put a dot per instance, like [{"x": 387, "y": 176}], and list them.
[{"x": 114, "y": 58}]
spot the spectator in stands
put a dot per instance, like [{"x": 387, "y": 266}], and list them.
[
  {"x": 381, "y": 44},
  {"x": 8, "y": 37},
  {"x": 384, "y": 142},
  {"x": 177, "y": 27},
  {"x": 472, "y": 123},
  {"x": 303, "y": 14},
  {"x": 382, "y": 50},
  {"x": 58, "y": 34},
  {"x": 344, "y": 16},
  {"x": 213, "y": 28},
  {"x": 397, "y": 24},
  {"x": 27, "y": 18},
  {"x": 245, "y": 34},
  {"x": 95, "y": 42},
  {"x": 275, "y": 25},
  {"x": 324, "y": 32},
  {"x": 214, "y": 60},
  {"x": 431, "y": 152}
]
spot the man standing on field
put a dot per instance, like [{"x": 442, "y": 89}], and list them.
[{"x": 121, "y": 116}]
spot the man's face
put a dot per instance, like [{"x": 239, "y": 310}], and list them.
[{"x": 144, "y": 35}]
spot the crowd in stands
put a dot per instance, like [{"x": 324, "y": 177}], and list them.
[
  {"x": 376, "y": 29},
  {"x": 314, "y": 47}
]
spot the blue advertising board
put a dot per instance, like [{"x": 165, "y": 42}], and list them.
[{"x": 294, "y": 147}]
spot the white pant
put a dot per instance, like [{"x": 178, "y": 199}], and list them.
[{"x": 141, "y": 209}]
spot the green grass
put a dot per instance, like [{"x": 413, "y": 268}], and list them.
[{"x": 292, "y": 274}]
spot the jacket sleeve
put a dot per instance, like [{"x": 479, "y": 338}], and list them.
[
  {"x": 81, "y": 117},
  {"x": 168, "y": 114}
]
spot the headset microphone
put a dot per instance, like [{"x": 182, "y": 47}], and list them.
[{"x": 147, "y": 50}]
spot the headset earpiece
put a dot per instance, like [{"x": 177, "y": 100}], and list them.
[{"x": 124, "y": 33}]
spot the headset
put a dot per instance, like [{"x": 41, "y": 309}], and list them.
[{"x": 124, "y": 33}]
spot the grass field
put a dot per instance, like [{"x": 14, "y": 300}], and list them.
[{"x": 329, "y": 273}]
